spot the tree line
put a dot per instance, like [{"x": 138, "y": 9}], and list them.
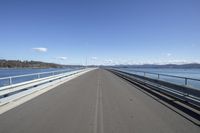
[{"x": 27, "y": 64}]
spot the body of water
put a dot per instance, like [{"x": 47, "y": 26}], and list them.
[
  {"x": 16, "y": 72},
  {"x": 184, "y": 73}
]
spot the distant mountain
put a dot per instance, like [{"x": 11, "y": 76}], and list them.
[
  {"x": 182, "y": 66},
  {"x": 30, "y": 64}
]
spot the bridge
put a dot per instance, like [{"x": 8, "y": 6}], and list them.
[{"x": 99, "y": 101}]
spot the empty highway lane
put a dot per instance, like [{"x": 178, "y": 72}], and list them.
[{"x": 96, "y": 102}]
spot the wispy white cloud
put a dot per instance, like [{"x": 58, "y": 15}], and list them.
[
  {"x": 169, "y": 54},
  {"x": 94, "y": 58},
  {"x": 108, "y": 62},
  {"x": 40, "y": 49},
  {"x": 173, "y": 61},
  {"x": 62, "y": 58}
]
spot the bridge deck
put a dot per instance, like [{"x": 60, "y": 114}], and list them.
[{"x": 96, "y": 102}]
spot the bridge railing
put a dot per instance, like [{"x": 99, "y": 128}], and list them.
[
  {"x": 18, "y": 90},
  {"x": 6, "y": 81},
  {"x": 183, "y": 92},
  {"x": 180, "y": 80}
]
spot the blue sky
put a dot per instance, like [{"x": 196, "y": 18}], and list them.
[{"x": 103, "y": 31}]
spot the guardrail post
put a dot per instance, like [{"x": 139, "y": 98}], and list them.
[
  {"x": 158, "y": 76},
  {"x": 10, "y": 80},
  {"x": 38, "y": 76},
  {"x": 186, "y": 81}
]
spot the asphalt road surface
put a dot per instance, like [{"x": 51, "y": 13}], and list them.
[{"x": 96, "y": 102}]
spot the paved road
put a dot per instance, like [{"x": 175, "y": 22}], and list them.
[{"x": 96, "y": 102}]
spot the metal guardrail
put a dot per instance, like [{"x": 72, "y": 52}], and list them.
[
  {"x": 189, "y": 82},
  {"x": 181, "y": 92},
  {"x": 25, "y": 88},
  {"x": 6, "y": 81}
]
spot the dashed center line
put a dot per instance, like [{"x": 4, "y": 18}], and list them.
[{"x": 98, "y": 118}]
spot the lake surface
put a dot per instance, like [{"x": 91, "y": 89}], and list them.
[
  {"x": 188, "y": 73},
  {"x": 191, "y": 73},
  {"x": 16, "y": 72}
]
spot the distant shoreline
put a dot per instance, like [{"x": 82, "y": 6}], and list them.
[
  {"x": 17, "y": 64},
  {"x": 1, "y": 68}
]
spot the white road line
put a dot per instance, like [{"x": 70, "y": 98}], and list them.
[
  {"x": 98, "y": 111},
  {"x": 101, "y": 109}
]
